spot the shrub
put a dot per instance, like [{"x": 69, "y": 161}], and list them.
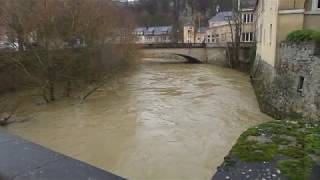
[{"x": 304, "y": 35}]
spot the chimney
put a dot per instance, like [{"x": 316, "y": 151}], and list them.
[{"x": 217, "y": 9}]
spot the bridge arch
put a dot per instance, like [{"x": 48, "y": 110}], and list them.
[
  {"x": 192, "y": 55},
  {"x": 190, "y": 59}
]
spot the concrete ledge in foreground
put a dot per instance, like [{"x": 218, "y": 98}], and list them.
[{"x": 23, "y": 160}]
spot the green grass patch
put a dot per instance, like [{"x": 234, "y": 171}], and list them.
[
  {"x": 294, "y": 139},
  {"x": 251, "y": 151},
  {"x": 312, "y": 144},
  {"x": 279, "y": 140},
  {"x": 293, "y": 152},
  {"x": 299, "y": 169},
  {"x": 251, "y": 132}
]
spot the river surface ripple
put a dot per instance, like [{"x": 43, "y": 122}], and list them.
[{"x": 166, "y": 121}]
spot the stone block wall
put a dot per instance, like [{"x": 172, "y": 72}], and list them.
[{"x": 292, "y": 87}]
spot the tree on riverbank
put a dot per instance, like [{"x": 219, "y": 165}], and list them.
[
  {"x": 235, "y": 25},
  {"x": 66, "y": 43}
]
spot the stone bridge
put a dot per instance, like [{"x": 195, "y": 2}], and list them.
[{"x": 194, "y": 53}]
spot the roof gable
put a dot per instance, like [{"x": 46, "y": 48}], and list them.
[
  {"x": 154, "y": 30},
  {"x": 248, "y": 4},
  {"x": 221, "y": 16}
]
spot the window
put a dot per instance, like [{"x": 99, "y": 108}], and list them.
[
  {"x": 315, "y": 4},
  {"x": 217, "y": 37},
  {"x": 260, "y": 32},
  {"x": 243, "y": 37},
  {"x": 247, "y": 18},
  {"x": 264, "y": 36},
  {"x": 244, "y": 17},
  {"x": 247, "y": 37},
  {"x": 223, "y": 37},
  {"x": 270, "y": 35},
  {"x": 300, "y": 85}
]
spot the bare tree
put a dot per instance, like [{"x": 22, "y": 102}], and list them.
[
  {"x": 18, "y": 17},
  {"x": 54, "y": 25},
  {"x": 235, "y": 24},
  {"x": 7, "y": 112}
]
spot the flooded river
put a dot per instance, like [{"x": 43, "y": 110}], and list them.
[{"x": 165, "y": 121}]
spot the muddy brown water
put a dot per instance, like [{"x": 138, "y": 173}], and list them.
[{"x": 165, "y": 121}]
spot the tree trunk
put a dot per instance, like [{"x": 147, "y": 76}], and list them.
[
  {"x": 68, "y": 89},
  {"x": 20, "y": 44},
  {"x": 51, "y": 84},
  {"x": 52, "y": 91}
]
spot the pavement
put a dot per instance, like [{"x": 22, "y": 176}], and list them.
[{"x": 23, "y": 160}]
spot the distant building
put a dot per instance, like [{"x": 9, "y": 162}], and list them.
[
  {"x": 220, "y": 19},
  {"x": 126, "y": 2},
  {"x": 220, "y": 26},
  {"x": 219, "y": 29},
  {"x": 189, "y": 33},
  {"x": 153, "y": 35},
  {"x": 277, "y": 18},
  {"x": 201, "y": 35}
]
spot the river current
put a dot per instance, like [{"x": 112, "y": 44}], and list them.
[{"x": 164, "y": 121}]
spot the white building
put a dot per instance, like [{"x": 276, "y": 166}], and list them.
[{"x": 153, "y": 35}]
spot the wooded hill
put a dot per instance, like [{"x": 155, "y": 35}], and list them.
[{"x": 165, "y": 12}]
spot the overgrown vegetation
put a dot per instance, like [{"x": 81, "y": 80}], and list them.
[
  {"x": 296, "y": 141},
  {"x": 65, "y": 42},
  {"x": 304, "y": 35},
  {"x": 64, "y": 46}
]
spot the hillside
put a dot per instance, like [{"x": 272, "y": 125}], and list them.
[{"x": 164, "y": 12}]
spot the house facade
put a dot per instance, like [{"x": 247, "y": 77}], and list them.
[
  {"x": 201, "y": 35},
  {"x": 189, "y": 31},
  {"x": 277, "y": 18},
  {"x": 219, "y": 30},
  {"x": 153, "y": 35},
  {"x": 220, "y": 27},
  {"x": 286, "y": 74}
]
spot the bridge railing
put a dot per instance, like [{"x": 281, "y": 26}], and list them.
[
  {"x": 243, "y": 44},
  {"x": 173, "y": 45},
  {"x": 193, "y": 45}
]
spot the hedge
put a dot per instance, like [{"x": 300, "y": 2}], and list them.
[{"x": 304, "y": 35}]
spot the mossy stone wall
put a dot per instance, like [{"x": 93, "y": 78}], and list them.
[{"x": 291, "y": 89}]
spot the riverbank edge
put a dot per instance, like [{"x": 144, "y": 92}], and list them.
[
  {"x": 277, "y": 95},
  {"x": 283, "y": 149},
  {"x": 21, "y": 159}
]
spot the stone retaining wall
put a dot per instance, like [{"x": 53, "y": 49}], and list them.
[{"x": 292, "y": 87}]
